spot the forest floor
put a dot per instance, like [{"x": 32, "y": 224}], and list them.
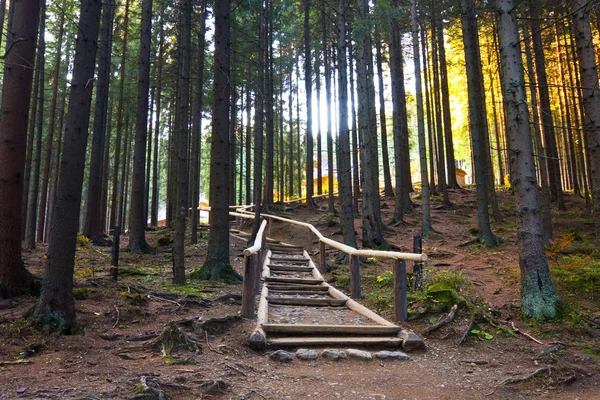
[{"x": 114, "y": 355}]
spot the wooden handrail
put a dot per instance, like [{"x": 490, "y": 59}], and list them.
[{"x": 254, "y": 249}]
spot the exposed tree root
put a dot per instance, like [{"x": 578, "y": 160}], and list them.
[
  {"x": 468, "y": 330},
  {"x": 444, "y": 321},
  {"x": 172, "y": 339},
  {"x": 214, "y": 386}
]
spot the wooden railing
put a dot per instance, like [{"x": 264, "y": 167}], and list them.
[{"x": 253, "y": 258}]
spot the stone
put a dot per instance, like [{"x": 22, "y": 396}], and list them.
[
  {"x": 281, "y": 355},
  {"x": 21, "y": 390},
  {"x": 306, "y": 354},
  {"x": 391, "y": 355},
  {"x": 333, "y": 354},
  {"x": 360, "y": 354},
  {"x": 410, "y": 341}
]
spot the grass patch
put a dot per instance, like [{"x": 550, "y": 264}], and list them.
[{"x": 197, "y": 288}]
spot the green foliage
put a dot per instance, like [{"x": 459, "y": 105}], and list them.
[
  {"x": 453, "y": 280},
  {"x": 80, "y": 293},
  {"x": 82, "y": 241},
  {"x": 482, "y": 334},
  {"x": 386, "y": 279}
]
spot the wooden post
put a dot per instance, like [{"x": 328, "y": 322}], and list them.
[
  {"x": 269, "y": 223},
  {"x": 355, "y": 277},
  {"x": 249, "y": 288},
  {"x": 322, "y": 258},
  {"x": 114, "y": 263},
  {"x": 400, "y": 301},
  {"x": 418, "y": 266}
]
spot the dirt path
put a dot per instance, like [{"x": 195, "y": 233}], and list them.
[{"x": 103, "y": 362}]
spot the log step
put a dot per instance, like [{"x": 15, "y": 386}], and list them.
[
  {"x": 300, "y": 292},
  {"x": 335, "y": 341},
  {"x": 288, "y": 273},
  {"x": 277, "y": 247},
  {"x": 289, "y": 259},
  {"x": 332, "y": 329},
  {"x": 294, "y": 280},
  {"x": 305, "y": 301},
  {"x": 299, "y": 288},
  {"x": 298, "y": 268}
]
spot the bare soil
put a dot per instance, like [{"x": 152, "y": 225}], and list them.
[{"x": 110, "y": 359}]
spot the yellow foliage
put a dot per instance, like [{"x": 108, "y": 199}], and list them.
[
  {"x": 559, "y": 245},
  {"x": 507, "y": 180}
]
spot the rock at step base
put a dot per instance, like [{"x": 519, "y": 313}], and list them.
[
  {"x": 306, "y": 354},
  {"x": 360, "y": 354},
  {"x": 281, "y": 355},
  {"x": 391, "y": 355},
  {"x": 410, "y": 341},
  {"x": 334, "y": 354}
]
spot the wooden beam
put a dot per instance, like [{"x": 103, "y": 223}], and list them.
[
  {"x": 294, "y": 280},
  {"x": 298, "y": 268},
  {"x": 305, "y": 301},
  {"x": 335, "y": 341},
  {"x": 289, "y": 259},
  {"x": 324, "y": 289},
  {"x": 300, "y": 292},
  {"x": 332, "y": 329}
]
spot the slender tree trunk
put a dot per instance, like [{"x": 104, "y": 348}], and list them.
[
  {"x": 330, "y": 156},
  {"x": 450, "y": 163},
  {"x": 56, "y": 305},
  {"x": 16, "y": 95},
  {"x": 39, "y": 125},
  {"x": 537, "y": 139},
  {"x": 115, "y": 200},
  {"x": 2, "y": 13},
  {"x": 137, "y": 235},
  {"x": 157, "y": 130},
  {"x": 547, "y": 120},
  {"x": 197, "y": 125},
  {"x": 269, "y": 178},
  {"x": 344, "y": 167},
  {"x": 249, "y": 143},
  {"x": 308, "y": 88},
  {"x": 430, "y": 135},
  {"x": 538, "y": 296},
  {"x": 291, "y": 135},
  {"x": 355, "y": 144},
  {"x": 51, "y": 129},
  {"x": 591, "y": 97},
  {"x": 425, "y": 203},
  {"x": 93, "y": 225}
]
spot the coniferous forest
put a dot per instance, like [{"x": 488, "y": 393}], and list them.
[{"x": 473, "y": 125}]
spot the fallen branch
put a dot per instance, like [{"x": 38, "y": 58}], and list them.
[
  {"x": 527, "y": 335},
  {"x": 18, "y": 362},
  {"x": 150, "y": 296},
  {"x": 118, "y": 317},
  {"x": 547, "y": 369},
  {"x": 467, "y": 331},
  {"x": 208, "y": 344},
  {"x": 444, "y": 321}
]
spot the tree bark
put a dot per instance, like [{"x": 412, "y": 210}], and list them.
[
  {"x": 310, "y": 191},
  {"x": 591, "y": 98},
  {"x": 538, "y": 296},
  {"x": 138, "y": 222},
  {"x": 16, "y": 94},
  {"x": 159, "y": 85},
  {"x": 56, "y": 305}
]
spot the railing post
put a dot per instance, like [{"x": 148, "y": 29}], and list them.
[
  {"x": 400, "y": 301},
  {"x": 418, "y": 266},
  {"x": 249, "y": 288},
  {"x": 355, "y": 277},
  {"x": 309, "y": 247},
  {"x": 114, "y": 263},
  {"x": 322, "y": 258}
]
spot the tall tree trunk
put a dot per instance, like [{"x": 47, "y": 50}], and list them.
[
  {"x": 217, "y": 266},
  {"x": 269, "y": 179},
  {"x": 538, "y": 296},
  {"x": 425, "y": 203},
  {"x": 197, "y": 125},
  {"x": 115, "y": 199},
  {"x": 56, "y": 305},
  {"x": 344, "y": 167},
  {"x": 16, "y": 94},
  {"x": 249, "y": 143},
  {"x": 450, "y": 163},
  {"x": 547, "y": 120},
  {"x": 308, "y": 88},
  {"x": 477, "y": 116},
  {"x": 430, "y": 134},
  {"x": 355, "y": 144},
  {"x": 157, "y": 130},
  {"x": 387, "y": 177},
  {"x": 182, "y": 132},
  {"x": 328, "y": 99},
  {"x": 39, "y": 125},
  {"x": 51, "y": 129},
  {"x": 137, "y": 235},
  {"x": 290, "y": 135},
  {"x": 591, "y": 97},
  {"x": 372, "y": 224},
  {"x": 93, "y": 226},
  {"x": 539, "y": 150}
]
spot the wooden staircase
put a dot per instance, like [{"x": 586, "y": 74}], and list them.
[{"x": 297, "y": 308}]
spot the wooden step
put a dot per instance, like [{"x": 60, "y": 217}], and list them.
[
  {"x": 305, "y": 301},
  {"x": 289, "y": 259},
  {"x": 332, "y": 329},
  {"x": 289, "y": 273},
  {"x": 274, "y": 286},
  {"x": 300, "y": 292},
  {"x": 335, "y": 341},
  {"x": 298, "y": 268},
  {"x": 276, "y": 247},
  {"x": 294, "y": 280}
]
